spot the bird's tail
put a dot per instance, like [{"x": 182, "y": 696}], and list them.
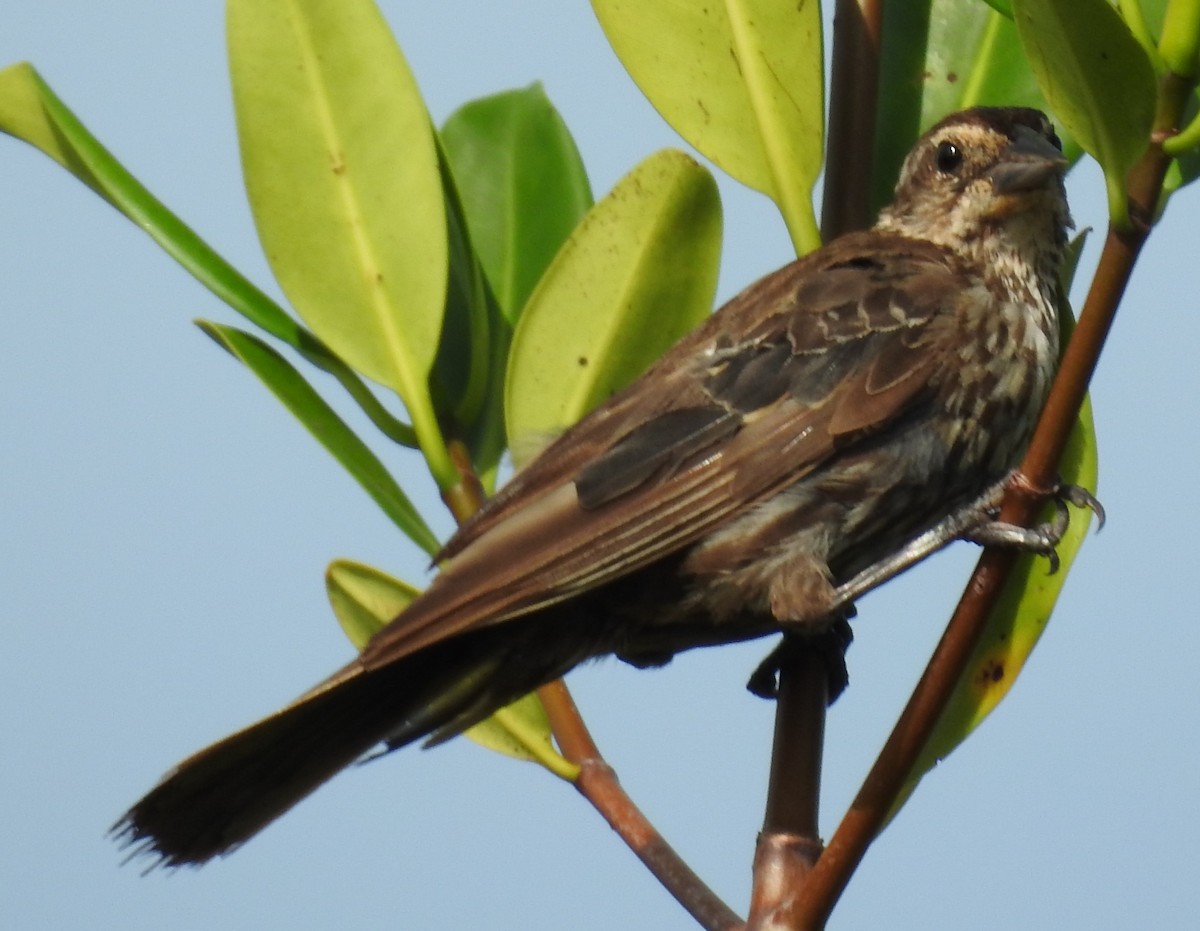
[{"x": 216, "y": 800}]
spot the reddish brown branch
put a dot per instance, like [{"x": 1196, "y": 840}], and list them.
[
  {"x": 853, "y": 91},
  {"x": 598, "y": 783},
  {"x": 884, "y": 783},
  {"x": 790, "y": 841}
]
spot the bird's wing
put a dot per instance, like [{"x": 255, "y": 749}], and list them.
[{"x": 793, "y": 370}]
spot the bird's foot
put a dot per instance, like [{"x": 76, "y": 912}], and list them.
[
  {"x": 827, "y": 642},
  {"x": 1041, "y": 539}
]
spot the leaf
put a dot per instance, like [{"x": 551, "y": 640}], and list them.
[
  {"x": 637, "y": 274},
  {"x": 1179, "y": 42},
  {"x": 522, "y": 730},
  {"x": 742, "y": 81},
  {"x": 330, "y": 430},
  {"x": 1098, "y": 79},
  {"x": 365, "y": 599},
  {"x": 341, "y": 170},
  {"x": 467, "y": 381},
  {"x": 29, "y": 110},
  {"x": 522, "y": 184},
  {"x": 514, "y": 172}
]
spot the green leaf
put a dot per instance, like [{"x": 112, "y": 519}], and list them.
[
  {"x": 342, "y": 174},
  {"x": 365, "y": 599},
  {"x": 516, "y": 176},
  {"x": 522, "y": 184},
  {"x": 29, "y": 110},
  {"x": 742, "y": 81},
  {"x": 1098, "y": 79},
  {"x": 638, "y": 273},
  {"x": 522, "y": 730},
  {"x": 323, "y": 422},
  {"x": 467, "y": 380},
  {"x": 1179, "y": 43},
  {"x": 942, "y": 56}
]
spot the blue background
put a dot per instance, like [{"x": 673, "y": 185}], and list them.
[{"x": 165, "y": 525}]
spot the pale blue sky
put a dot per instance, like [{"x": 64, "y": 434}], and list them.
[{"x": 165, "y": 525}]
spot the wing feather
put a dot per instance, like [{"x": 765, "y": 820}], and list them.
[{"x": 792, "y": 371}]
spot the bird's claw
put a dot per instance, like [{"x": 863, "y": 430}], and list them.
[
  {"x": 1082, "y": 499},
  {"x": 1042, "y": 539}
]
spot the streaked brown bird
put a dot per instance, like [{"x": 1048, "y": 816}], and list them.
[{"x": 808, "y": 431}]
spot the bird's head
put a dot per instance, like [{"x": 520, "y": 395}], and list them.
[{"x": 982, "y": 179}]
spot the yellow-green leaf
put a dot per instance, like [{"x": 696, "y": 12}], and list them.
[
  {"x": 638, "y": 273},
  {"x": 364, "y": 598},
  {"x": 742, "y": 81},
  {"x": 342, "y": 174}
]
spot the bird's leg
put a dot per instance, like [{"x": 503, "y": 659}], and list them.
[
  {"x": 829, "y": 641},
  {"x": 976, "y": 521}
]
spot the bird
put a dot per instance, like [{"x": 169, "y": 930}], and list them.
[{"x": 807, "y": 431}]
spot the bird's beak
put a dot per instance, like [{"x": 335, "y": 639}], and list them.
[{"x": 1028, "y": 162}]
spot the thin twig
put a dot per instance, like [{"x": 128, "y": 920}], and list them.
[
  {"x": 887, "y": 777},
  {"x": 597, "y": 782}
]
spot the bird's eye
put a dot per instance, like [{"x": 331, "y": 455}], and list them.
[{"x": 949, "y": 157}]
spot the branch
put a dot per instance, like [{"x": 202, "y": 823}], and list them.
[
  {"x": 597, "y": 782},
  {"x": 854, "y": 83},
  {"x": 884, "y": 783}
]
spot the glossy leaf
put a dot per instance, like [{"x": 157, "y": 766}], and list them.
[
  {"x": 365, "y": 599},
  {"x": 1098, "y": 80},
  {"x": 341, "y": 170},
  {"x": 1184, "y": 169},
  {"x": 638, "y": 273},
  {"x": 323, "y": 422},
  {"x": 522, "y": 184},
  {"x": 742, "y": 81}
]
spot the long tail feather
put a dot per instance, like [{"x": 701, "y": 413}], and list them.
[{"x": 217, "y": 799}]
